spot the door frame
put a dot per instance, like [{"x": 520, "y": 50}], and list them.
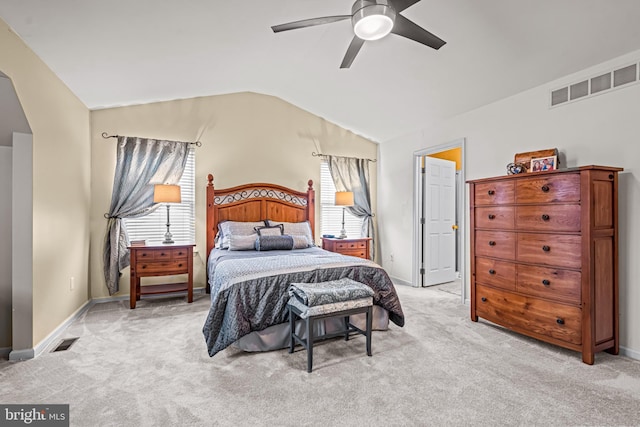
[{"x": 460, "y": 202}]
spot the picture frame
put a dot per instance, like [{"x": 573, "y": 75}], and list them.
[{"x": 541, "y": 164}]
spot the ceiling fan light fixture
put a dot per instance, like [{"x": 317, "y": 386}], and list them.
[{"x": 372, "y": 20}]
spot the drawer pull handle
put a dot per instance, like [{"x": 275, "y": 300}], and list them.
[
  {"x": 545, "y": 188},
  {"x": 179, "y": 265},
  {"x": 545, "y": 217},
  {"x": 611, "y": 176},
  {"x": 491, "y": 192},
  {"x": 546, "y": 282},
  {"x": 492, "y": 216},
  {"x": 560, "y": 321},
  {"x": 546, "y": 248},
  {"x": 492, "y": 271},
  {"x": 492, "y": 243},
  {"x": 483, "y": 299}
]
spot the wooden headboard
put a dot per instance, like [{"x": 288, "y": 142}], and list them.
[{"x": 255, "y": 202}]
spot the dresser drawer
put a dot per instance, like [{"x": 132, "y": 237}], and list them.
[
  {"x": 496, "y": 273},
  {"x": 550, "y": 249},
  {"x": 525, "y": 313},
  {"x": 162, "y": 267},
  {"x": 548, "y": 217},
  {"x": 494, "y": 193},
  {"x": 350, "y": 245},
  {"x": 496, "y": 244},
  {"x": 554, "y": 188},
  {"x": 551, "y": 283},
  {"x": 499, "y": 217}
]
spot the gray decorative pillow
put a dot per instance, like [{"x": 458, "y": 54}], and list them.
[
  {"x": 272, "y": 243},
  {"x": 242, "y": 243},
  {"x": 275, "y": 230},
  {"x": 295, "y": 229},
  {"x": 237, "y": 228}
]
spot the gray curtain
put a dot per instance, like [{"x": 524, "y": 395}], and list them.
[
  {"x": 351, "y": 174},
  {"x": 141, "y": 163}
]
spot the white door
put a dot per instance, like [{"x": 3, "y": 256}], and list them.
[{"x": 439, "y": 223}]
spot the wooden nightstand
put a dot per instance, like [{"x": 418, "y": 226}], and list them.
[
  {"x": 160, "y": 260},
  {"x": 353, "y": 247}
]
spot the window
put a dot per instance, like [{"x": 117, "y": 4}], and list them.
[
  {"x": 330, "y": 214},
  {"x": 182, "y": 216}
]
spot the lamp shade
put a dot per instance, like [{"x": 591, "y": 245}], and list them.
[
  {"x": 344, "y": 198},
  {"x": 165, "y": 193}
]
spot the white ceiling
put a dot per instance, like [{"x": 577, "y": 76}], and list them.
[{"x": 122, "y": 52}]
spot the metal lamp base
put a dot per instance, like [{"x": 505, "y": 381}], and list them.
[{"x": 168, "y": 237}]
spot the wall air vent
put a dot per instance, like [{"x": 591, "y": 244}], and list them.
[{"x": 620, "y": 77}]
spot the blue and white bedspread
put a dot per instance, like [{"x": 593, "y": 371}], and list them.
[{"x": 249, "y": 288}]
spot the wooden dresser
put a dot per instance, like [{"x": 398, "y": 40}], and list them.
[
  {"x": 544, "y": 256},
  {"x": 354, "y": 247},
  {"x": 160, "y": 260}
]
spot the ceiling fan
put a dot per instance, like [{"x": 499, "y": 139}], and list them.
[{"x": 372, "y": 20}]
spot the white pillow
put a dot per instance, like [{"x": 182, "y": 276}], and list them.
[
  {"x": 300, "y": 242},
  {"x": 242, "y": 243},
  {"x": 296, "y": 229},
  {"x": 236, "y": 228}
]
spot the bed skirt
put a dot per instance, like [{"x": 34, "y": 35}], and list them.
[{"x": 277, "y": 336}]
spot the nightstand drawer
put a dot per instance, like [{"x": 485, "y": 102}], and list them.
[
  {"x": 350, "y": 245},
  {"x": 360, "y": 253},
  {"x": 164, "y": 267}
]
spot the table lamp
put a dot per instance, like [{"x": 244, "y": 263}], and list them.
[
  {"x": 165, "y": 193},
  {"x": 344, "y": 199}
]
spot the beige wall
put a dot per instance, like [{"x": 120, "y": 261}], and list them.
[
  {"x": 61, "y": 178},
  {"x": 601, "y": 130},
  {"x": 246, "y": 137}
]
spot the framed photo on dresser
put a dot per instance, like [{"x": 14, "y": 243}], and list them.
[{"x": 541, "y": 164}]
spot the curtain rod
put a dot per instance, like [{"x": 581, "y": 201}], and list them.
[
  {"x": 107, "y": 136},
  {"x": 314, "y": 154}
]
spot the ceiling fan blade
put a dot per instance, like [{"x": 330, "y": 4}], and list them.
[
  {"x": 406, "y": 28},
  {"x": 309, "y": 23},
  {"x": 352, "y": 51},
  {"x": 400, "y": 5}
]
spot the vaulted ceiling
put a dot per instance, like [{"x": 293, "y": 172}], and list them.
[{"x": 122, "y": 52}]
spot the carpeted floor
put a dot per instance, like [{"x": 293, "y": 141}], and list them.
[{"x": 149, "y": 367}]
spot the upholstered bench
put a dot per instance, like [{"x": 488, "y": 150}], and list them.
[{"x": 338, "y": 298}]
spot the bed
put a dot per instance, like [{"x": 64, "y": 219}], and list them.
[{"x": 249, "y": 287}]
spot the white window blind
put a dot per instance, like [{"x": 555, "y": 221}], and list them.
[
  {"x": 182, "y": 216},
  {"x": 330, "y": 214}
]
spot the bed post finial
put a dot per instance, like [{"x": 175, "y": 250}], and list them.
[
  {"x": 310, "y": 183},
  {"x": 210, "y": 179}
]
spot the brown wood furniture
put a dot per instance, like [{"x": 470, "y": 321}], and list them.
[
  {"x": 256, "y": 202},
  {"x": 354, "y": 247},
  {"x": 544, "y": 256},
  {"x": 160, "y": 260}
]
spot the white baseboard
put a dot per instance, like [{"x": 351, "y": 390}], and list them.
[
  {"x": 397, "y": 281},
  {"x": 633, "y": 354},
  {"x": 126, "y": 297},
  {"x": 30, "y": 353}
]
